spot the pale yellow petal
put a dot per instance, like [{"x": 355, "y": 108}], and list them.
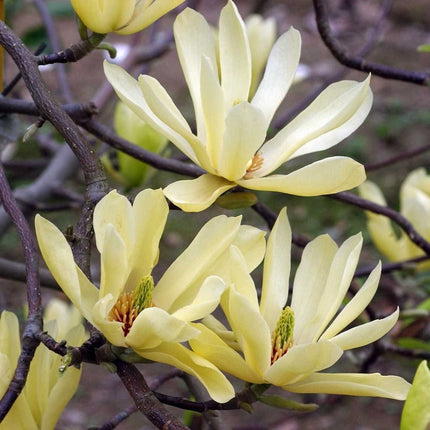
[
  {"x": 338, "y": 111},
  {"x": 276, "y": 272},
  {"x": 10, "y": 343},
  {"x": 252, "y": 244},
  {"x": 150, "y": 211},
  {"x": 235, "y": 56},
  {"x": 153, "y": 326},
  {"x": 214, "y": 349},
  {"x": 195, "y": 41},
  {"x": 302, "y": 360},
  {"x": 217, "y": 385},
  {"x": 366, "y": 333},
  {"x": 198, "y": 194},
  {"x": 114, "y": 209},
  {"x": 205, "y": 302},
  {"x": 144, "y": 14},
  {"x": 104, "y": 16},
  {"x": 353, "y": 384},
  {"x": 279, "y": 75},
  {"x": 245, "y": 132},
  {"x": 327, "y": 176},
  {"x": 209, "y": 244},
  {"x": 309, "y": 282},
  {"x": 356, "y": 305}
]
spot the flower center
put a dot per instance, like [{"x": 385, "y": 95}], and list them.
[
  {"x": 282, "y": 336},
  {"x": 254, "y": 165},
  {"x": 129, "y": 305}
]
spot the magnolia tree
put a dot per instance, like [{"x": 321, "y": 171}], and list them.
[{"x": 246, "y": 314}]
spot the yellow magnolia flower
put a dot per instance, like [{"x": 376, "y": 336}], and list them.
[
  {"x": 121, "y": 16},
  {"x": 45, "y": 394},
  {"x": 232, "y": 126},
  {"x": 127, "y": 308},
  {"x": 414, "y": 205},
  {"x": 289, "y": 346}
]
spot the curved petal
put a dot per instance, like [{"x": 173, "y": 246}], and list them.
[
  {"x": 251, "y": 242},
  {"x": 195, "y": 41},
  {"x": 153, "y": 326},
  {"x": 309, "y": 282},
  {"x": 338, "y": 111},
  {"x": 235, "y": 56},
  {"x": 356, "y": 306},
  {"x": 251, "y": 332},
  {"x": 198, "y": 194},
  {"x": 365, "y": 333},
  {"x": 10, "y": 343},
  {"x": 209, "y": 244},
  {"x": 104, "y": 16},
  {"x": 114, "y": 264},
  {"x": 353, "y": 384},
  {"x": 245, "y": 132},
  {"x": 217, "y": 385},
  {"x": 130, "y": 92},
  {"x": 150, "y": 211},
  {"x": 276, "y": 272},
  {"x": 205, "y": 302},
  {"x": 302, "y": 360},
  {"x": 279, "y": 75},
  {"x": 59, "y": 258},
  {"x": 327, "y": 176},
  {"x": 146, "y": 13},
  {"x": 213, "y": 348}
]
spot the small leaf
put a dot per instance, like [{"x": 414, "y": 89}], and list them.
[
  {"x": 283, "y": 403},
  {"x": 416, "y": 412},
  {"x": 424, "y": 48},
  {"x": 237, "y": 200},
  {"x": 412, "y": 343}
]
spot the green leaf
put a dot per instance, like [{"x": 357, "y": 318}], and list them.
[
  {"x": 283, "y": 403},
  {"x": 416, "y": 412},
  {"x": 424, "y": 48},
  {"x": 237, "y": 200},
  {"x": 412, "y": 343}
]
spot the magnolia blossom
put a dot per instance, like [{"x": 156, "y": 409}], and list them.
[
  {"x": 127, "y": 308},
  {"x": 124, "y": 16},
  {"x": 289, "y": 346},
  {"x": 45, "y": 393},
  {"x": 414, "y": 205},
  {"x": 232, "y": 124}
]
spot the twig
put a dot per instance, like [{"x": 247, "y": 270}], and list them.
[
  {"x": 34, "y": 322},
  {"x": 358, "y": 62}
]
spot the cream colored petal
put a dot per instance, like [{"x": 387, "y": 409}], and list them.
[
  {"x": 261, "y": 35},
  {"x": 213, "y": 348},
  {"x": 10, "y": 343},
  {"x": 338, "y": 281},
  {"x": 217, "y": 327},
  {"x": 154, "y": 325},
  {"x": 104, "y": 16},
  {"x": 209, "y": 244},
  {"x": 114, "y": 209},
  {"x": 251, "y": 331},
  {"x": 89, "y": 295},
  {"x": 252, "y": 244},
  {"x": 59, "y": 258},
  {"x": 356, "y": 306},
  {"x": 112, "y": 330},
  {"x": 279, "y": 75},
  {"x": 276, "y": 272},
  {"x": 198, "y": 194},
  {"x": 244, "y": 133},
  {"x": 353, "y": 384},
  {"x": 205, "y": 302},
  {"x": 194, "y": 40},
  {"x": 150, "y": 210},
  {"x": 366, "y": 333},
  {"x": 163, "y": 107},
  {"x": 130, "y": 92},
  {"x": 327, "y": 176},
  {"x": 302, "y": 360},
  {"x": 235, "y": 56},
  {"x": 217, "y": 385},
  {"x": 309, "y": 282},
  {"x": 145, "y": 15},
  {"x": 114, "y": 264},
  {"x": 338, "y": 111},
  {"x": 213, "y": 110}
]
